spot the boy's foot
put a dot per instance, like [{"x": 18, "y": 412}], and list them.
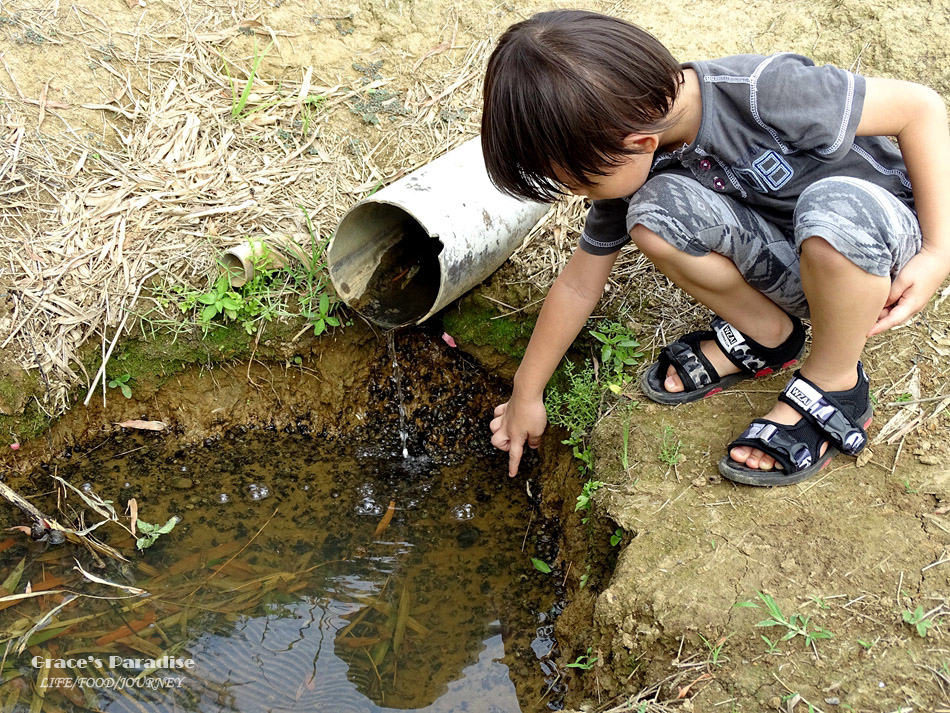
[
  {"x": 798, "y": 432},
  {"x": 703, "y": 363},
  {"x": 783, "y": 413}
]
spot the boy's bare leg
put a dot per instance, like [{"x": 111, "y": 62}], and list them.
[
  {"x": 714, "y": 280},
  {"x": 845, "y": 302}
]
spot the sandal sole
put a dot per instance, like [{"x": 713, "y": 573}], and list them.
[{"x": 738, "y": 473}]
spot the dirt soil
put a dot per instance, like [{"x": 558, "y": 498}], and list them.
[{"x": 852, "y": 549}]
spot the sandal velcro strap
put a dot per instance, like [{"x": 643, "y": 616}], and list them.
[
  {"x": 793, "y": 455},
  {"x": 817, "y": 406},
  {"x": 735, "y": 346},
  {"x": 755, "y": 358},
  {"x": 690, "y": 363}
]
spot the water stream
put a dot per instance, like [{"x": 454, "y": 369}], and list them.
[{"x": 397, "y": 380}]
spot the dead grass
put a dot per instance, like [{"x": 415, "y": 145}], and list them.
[{"x": 86, "y": 231}]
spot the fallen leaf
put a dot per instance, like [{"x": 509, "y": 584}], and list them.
[
  {"x": 133, "y": 513},
  {"x": 684, "y": 691},
  {"x": 864, "y": 457},
  {"x": 130, "y": 628},
  {"x": 386, "y": 519},
  {"x": 447, "y": 338},
  {"x": 100, "y": 580},
  {"x": 144, "y": 425}
]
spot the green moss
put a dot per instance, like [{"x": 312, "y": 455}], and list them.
[
  {"x": 480, "y": 325},
  {"x": 156, "y": 358},
  {"x": 29, "y": 424},
  {"x": 9, "y": 390}
]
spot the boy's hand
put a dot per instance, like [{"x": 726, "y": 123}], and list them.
[
  {"x": 515, "y": 422},
  {"x": 911, "y": 290}
]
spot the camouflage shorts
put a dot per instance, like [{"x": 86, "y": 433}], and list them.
[{"x": 865, "y": 223}]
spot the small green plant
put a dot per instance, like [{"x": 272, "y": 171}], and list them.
[
  {"x": 585, "y": 577},
  {"x": 584, "y": 662},
  {"x": 541, "y": 565},
  {"x": 904, "y": 397},
  {"x": 918, "y": 620},
  {"x": 122, "y": 383},
  {"x": 313, "y": 285},
  {"x": 670, "y": 447},
  {"x": 584, "y": 499},
  {"x": 249, "y": 305},
  {"x": 583, "y": 453},
  {"x": 715, "y": 649},
  {"x": 311, "y": 106},
  {"x": 772, "y": 645},
  {"x": 150, "y": 532},
  {"x": 576, "y": 405},
  {"x": 221, "y": 299},
  {"x": 819, "y": 601},
  {"x": 866, "y": 644},
  {"x": 616, "y": 538},
  {"x": 321, "y": 317},
  {"x": 238, "y": 104},
  {"x": 625, "y": 459},
  {"x": 907, "y": 489},
  {"x": 796, "y": 624},
  {"x": 618, "y": 351}
]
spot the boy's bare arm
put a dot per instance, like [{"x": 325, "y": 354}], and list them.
[
  {"x": 917, "y": 116},
  {"x": 570, "y": 302}
]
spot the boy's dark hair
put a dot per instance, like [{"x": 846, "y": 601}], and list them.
[{"x": 564, "y": 89}]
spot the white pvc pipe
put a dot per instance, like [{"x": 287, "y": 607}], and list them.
[{"x": 410, "y": 249}]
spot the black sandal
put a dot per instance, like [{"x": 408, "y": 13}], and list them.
[
  {"x": 839, "y": 418},
  {"x": 700, "y": 379}
]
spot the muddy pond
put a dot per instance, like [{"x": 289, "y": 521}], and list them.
[{"x": 297, "y": 572}]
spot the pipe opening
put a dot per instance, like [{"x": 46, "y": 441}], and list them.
[{"x": 385, "y": 264}]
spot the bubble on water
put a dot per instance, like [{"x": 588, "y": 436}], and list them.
[
  {"x": 223, "y": 498},
  {"x": 87, "y": 487},
  {"x": 306, "y": 487},
  {"x": 365, "y": 490},
  {"x": 126, "y": 484},
  {"x": 184, "y": 469},
  {"x": 368, "y": 506},
  {"x": 256, "y": 491},
  {"x": 463, "y": 512}
]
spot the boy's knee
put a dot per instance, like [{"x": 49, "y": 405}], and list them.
[
  {"x": 652, "y": 245},
  {"x": 820, "y": 250},
  {"x": 668, "y": 215},
  {"x": 857, "y": 220}
]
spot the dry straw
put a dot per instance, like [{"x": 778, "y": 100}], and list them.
[{"x": 87, "y": 233}]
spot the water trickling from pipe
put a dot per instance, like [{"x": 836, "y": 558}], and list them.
[{"x": 397, "y": 380}]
